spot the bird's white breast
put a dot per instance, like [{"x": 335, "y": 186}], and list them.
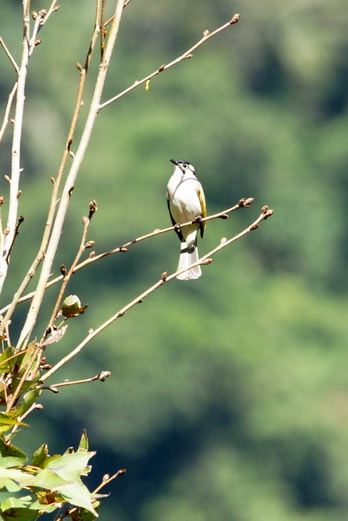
[
  {"x": 184, "y": 203},
  {"x": 183, "y": 196}
]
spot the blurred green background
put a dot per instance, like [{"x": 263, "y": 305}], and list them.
[{"x": 228, "y": 398}]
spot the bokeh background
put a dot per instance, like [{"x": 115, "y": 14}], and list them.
[{"x": 228, "y": 398}]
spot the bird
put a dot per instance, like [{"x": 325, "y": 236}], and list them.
[{"x": 186, "y": 202}]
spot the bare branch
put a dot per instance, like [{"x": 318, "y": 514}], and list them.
[
  {"x": 102, "y": 29},
  {"x": 188, "y": 54},
  {"x": 206, "y": 259},
  {"x": 36, "y": 351},
  {"x": 70, "y": 181},
  {"x": 9, "y": 55},
  {"x": 67, "y": 276},
  {"x": 57, "y": 180},
  {"x": 40, "y": 20},
  {"x": 28, "y": 45},
  {"x": 16, "y": 149},
  {"x": 20, "y": 220},
  {"x": 8, "y": 110},
  {"x": 101, "y": 377},
  {"x": 242, "y": 203},
  {"x": 107, "y": 479},
  {"x": 2, "y": 200},
  {"x": 266, "y": 212}
]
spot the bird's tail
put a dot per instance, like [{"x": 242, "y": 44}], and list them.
[{"x": 188, "y": 257}]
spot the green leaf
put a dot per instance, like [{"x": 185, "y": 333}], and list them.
[
  {"x": 78, "y": 495},
  {"x": 51, "y": 458},
  {"x": 70, "y": 467},
  {"x": 85, "y": 515},
  {"x": 15, "y": 502},
  {"x": 9, "y": 478},
  {"x": 6, "y": 422},
  {"x": 9, "y": 485},
  {"x": 19, "y": 514},
  {"x": 28, "y": 358},
  {"x": 3, "y": 390},
  {"x": 40, "y": 456},
  {"x": 10, "y": 455},
  {"x": 48, "y": 479},
  {"x": 45, "y": 508},
  {"x": 83, "y": 445},
  {"x": 28, "y": 400},
  {"x": 6, "y": 364}
]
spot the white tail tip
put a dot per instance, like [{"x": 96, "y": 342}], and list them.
[{"x": 185, "y": 260}]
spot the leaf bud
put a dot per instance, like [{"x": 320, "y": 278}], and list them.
[{"x": 71, "y": 307}]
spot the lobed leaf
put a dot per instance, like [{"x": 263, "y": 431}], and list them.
[
  {"x": 7, "y": 421},
  {"x": 10, "y": 455}
]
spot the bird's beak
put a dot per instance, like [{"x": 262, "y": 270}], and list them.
[{"x": 173, "y": 161}]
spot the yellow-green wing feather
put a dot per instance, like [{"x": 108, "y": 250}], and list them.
[{"x": 204, "y": 209}]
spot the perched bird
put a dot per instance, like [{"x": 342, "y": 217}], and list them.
[{"x": 186, "y": 201}]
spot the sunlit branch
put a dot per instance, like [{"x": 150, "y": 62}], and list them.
[
  {"x": 107, "y": 479},
  {"x": 16, "y": 149},
  {"x": 8, "y": 110},
  {"x": 242, "y": 203},
  {"x": 206, "y": 259},
  {"x": 67, "y": 276},
  {"x": 101, "y": 377},
  {"x": 57, "y": 180},
  {"x": 266, "y": 212},
  {"x": 9, "y": 55},
  {"x": 70, "y": 181},
  {"x": 185, "y": 56},
  {"x": 33, "y": 358},
  {"x": 28, "y": 45}
]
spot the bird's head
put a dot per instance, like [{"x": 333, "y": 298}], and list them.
[{"x": 184, "y": 166}]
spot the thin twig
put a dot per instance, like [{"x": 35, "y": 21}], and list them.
[
  {"x": 8, "y": 110},
  {"x": 70, "y": 181},
  {"x": 37, "y": 406},
  {"x": 102, "y": 30},
  {"x": 34, "y": 357},
  {"x": 38, "y": 24},
  {"x": 185, "y": 56},
  {"x": 206, "y": 259},
  {"x": 16, "y": 147},
  {"x": 41, "y": 19},
  {"x": 101, "y": 377},
  {"x": 9, "y": 55},
  {"x": 28, "y": 46},
  {"x": 67, "y": 276},
  {"x": 266, "y": 212},
  {"x": 14, "y": 356},
  {"x": 109, "y": 20},
  {"x": 57, "y": 181},
  {"x": 108, "y": 480},
  {"x": 242, "y": 203},
  {"x": 20, "y": 220},
  {"x": 2, "y": 200}
]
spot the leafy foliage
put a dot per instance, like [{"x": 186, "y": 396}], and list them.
[{"x": 52, "y": 482}]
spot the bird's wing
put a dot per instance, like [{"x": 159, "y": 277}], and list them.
[
  {"x": 201, "y": 198},
  {"x": 177, "y": 228}
]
